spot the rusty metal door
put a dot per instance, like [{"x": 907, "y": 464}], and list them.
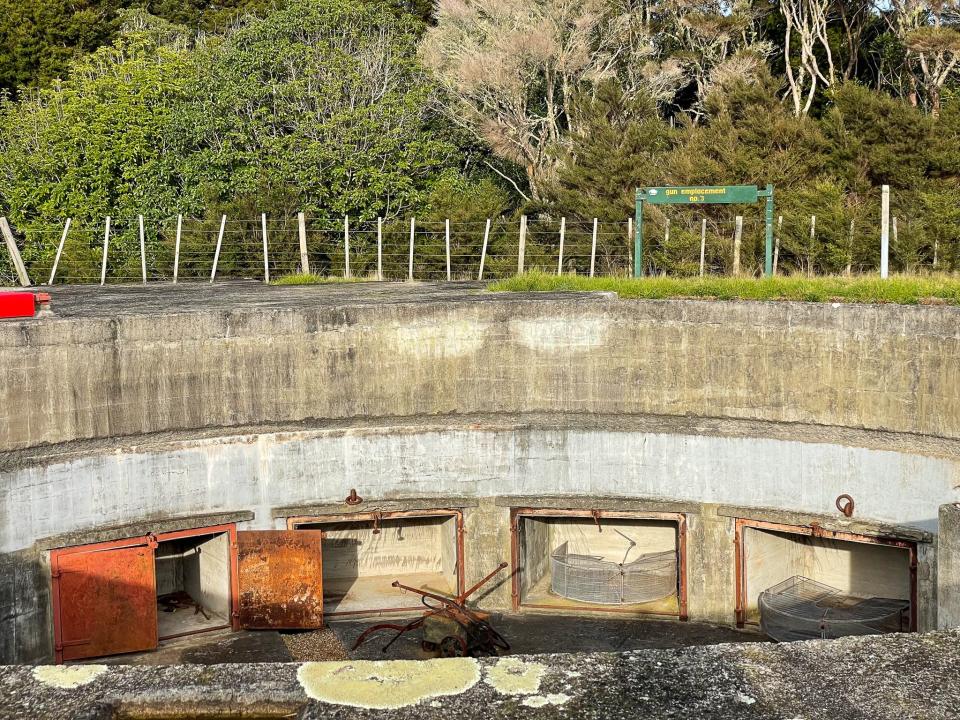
[
  {"x": 281, "y": 579},
  {"x": 105, "y": 600}
]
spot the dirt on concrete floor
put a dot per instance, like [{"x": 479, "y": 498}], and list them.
[{"x": 530, "y": 634}]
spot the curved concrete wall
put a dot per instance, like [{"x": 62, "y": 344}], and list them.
[
  {"x": 592, "y": 401},
  {"x": 266, "y": 471},
  {"x": 877, "y": 367}
]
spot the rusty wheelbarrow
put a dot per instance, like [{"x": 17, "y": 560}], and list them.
[{"x": 450, "y": 628}]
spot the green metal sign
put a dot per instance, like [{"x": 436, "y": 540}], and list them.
[
  {"x": 746, "y": 194},
  {"x": 701, "y": 195}
]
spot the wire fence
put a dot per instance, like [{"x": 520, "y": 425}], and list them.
[{"x": 123, "y": 250}]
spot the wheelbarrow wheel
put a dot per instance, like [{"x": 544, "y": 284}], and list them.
[{"x": 452, "y": 646}]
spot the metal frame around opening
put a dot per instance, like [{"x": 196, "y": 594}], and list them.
[
  {"x": 517, "y": 514},
  {"x": 295, "y": 523},
  {"x": 152, "y": 540},
  {"x": 815, "y": 531}
]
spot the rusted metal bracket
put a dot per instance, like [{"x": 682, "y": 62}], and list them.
[
  {"x": 596, "y": 519},
  {"x": 353, "y": 498},
  {"x": 377, "y": 517}
]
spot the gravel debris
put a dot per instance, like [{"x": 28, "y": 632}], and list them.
[{"x": 314, "y": 646}]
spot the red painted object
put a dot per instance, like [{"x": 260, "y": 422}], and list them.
[
  {"x": 17, "y": 305},
  {"x": 105, "y": 599}
]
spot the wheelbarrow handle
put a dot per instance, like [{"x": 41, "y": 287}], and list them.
[{"x": 462, "y": 598}]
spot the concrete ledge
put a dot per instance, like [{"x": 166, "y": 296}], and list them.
[
  {"x": 827, "y": 522},
  {"x": 579, "y": 502},
  {"x": 142, "y": 527},
  {"x": 374, "y": 505},
  {"x": 867, "y": 678}
]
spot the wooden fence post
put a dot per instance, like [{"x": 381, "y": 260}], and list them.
[
  {"x": 849, "y": 268},
  {"x": 813, "y": 235},
  {"x": 379, "y": 248},
  {"x": 216, "y": 254},
  {"x": 106, "y": 249},
  {"x": 266, "y": 254},
  {"x": 18, "y": 265},
  {"x": 446, "y": 233},
  {"x": 483, "y": 252},
  {"x": 143, "y": 251},
  {"x": 703, "y": 245},
  {"x": 737, "y": 236},
  {"x": 413, "y": 224},
  {"x": 563, "y": 231},
  {"x": 776, "y": 245},
  {"x": 176, "y": 251},
  {"x": 885, "y": 231},
  {"x": 346, "y": 246},
  {"x": 56, "y": 260},
  {"x": 304, "y": 257},
  {"x": 593, "y": 248},
  {"x": 523, "y": 244}
]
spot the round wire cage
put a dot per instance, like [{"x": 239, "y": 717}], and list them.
[
  {"x": 591, "y": 579},
  {"x": 803, "y": 609}
]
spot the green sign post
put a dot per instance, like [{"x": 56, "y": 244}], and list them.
[{"x": 703, "y": 195}]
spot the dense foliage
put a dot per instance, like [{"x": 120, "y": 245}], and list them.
[
  {"x": 40, "y": 38},
  {"x": 477, "y": 109}
]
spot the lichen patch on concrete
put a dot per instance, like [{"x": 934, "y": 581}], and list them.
[
  {"x": 539, "y": 701},
  {"x": 67, "y": 677},
  {"x": 387, "y": 684},
  {"x": 513, "y": 676}
]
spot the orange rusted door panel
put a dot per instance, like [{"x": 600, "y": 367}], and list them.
[
  {"x": 106, "y": 601},
  {"x": 281, "y": 579}
]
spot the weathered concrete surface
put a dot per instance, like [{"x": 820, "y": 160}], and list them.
[
  {"x": 58, "y": 496},
  {"x": 460, "y": 458},
  {"x": 948, "y": 566},
  {"x": 431, "y": 391},
  {"x": 26, "y": 629},
  {"x": 871, "y": 678},
  {"x": 299, "y": 354}
]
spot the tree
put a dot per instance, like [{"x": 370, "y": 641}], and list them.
[
  {"x": 937, "y": 52},
  {"x": 40, "y": 38},
  {"x": 510, "y": 70},
  {"x": 320, "y": 107},
  {"x": 808, "y": 20},
  {"x": 714, "y": 41}
]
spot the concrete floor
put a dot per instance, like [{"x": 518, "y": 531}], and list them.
[
  {"x": 530, "y": 634},
  {"x": 527, "y": 634},
  {"x": 210, "y": 648}
]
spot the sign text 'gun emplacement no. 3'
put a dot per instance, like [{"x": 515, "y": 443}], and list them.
[{"x": 701, "y": 195}]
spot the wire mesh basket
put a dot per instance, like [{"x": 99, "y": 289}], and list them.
[
  {"x": 803, "y": 609},
  {"x": 591, "y": 579}
]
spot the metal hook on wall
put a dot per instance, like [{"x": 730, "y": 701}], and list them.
[{"x": 845, "y": 507}]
